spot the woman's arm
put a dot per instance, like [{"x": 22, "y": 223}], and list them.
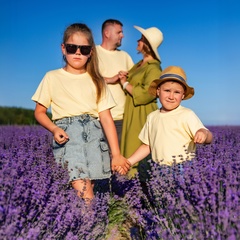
[{"x": 125, "y": 84}]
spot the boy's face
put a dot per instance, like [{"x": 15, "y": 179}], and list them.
[{"x": 170, "y": 95}]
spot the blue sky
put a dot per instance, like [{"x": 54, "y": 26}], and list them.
[{"x": 202, "y": 37}]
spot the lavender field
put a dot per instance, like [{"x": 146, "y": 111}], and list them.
[{"x": 36, "y": 201}]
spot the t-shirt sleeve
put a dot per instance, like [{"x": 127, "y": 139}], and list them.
[
  {"x": 42, "y": 94},
  {"x": 194, "y": 123},
  {"x": 144, "y": 133},
  {"x": 130, "y": 62}
]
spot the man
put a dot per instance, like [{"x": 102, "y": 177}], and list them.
[{"x": 111, "y": 61}]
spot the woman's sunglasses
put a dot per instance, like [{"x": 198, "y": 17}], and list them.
[{"x": 72, "y": 49}]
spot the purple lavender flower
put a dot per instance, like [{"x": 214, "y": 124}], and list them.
[{"x": 200, "y": 201}]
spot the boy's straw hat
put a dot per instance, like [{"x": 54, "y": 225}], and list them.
[
  {"x": 172, "y": 73},
  {"x": 154, "y": 37}
]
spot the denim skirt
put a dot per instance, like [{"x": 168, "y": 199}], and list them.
[{"x": 86, "y": 155}]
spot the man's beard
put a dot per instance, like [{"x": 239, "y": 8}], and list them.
[{"x": 118, "y": 44}]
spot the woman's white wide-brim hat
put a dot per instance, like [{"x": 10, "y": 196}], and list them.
[{"x": 154, "y": 37}]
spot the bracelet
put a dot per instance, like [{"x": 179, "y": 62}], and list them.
[{"x": 125, "y": 85}]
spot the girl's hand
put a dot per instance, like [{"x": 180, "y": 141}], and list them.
[
  {"x": 60, "y": 135},
  {"x": 120, "y": 161},
  {"x": 120, "y": 170}
]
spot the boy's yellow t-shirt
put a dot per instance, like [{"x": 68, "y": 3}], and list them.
[{"x": 170, "y": 135}]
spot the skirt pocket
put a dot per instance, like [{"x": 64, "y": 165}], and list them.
[{"x": 105, "y": 155}]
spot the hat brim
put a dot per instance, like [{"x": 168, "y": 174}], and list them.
[
  {"x": 189, "y": 92},
  {"x": 146, "y": 35}
]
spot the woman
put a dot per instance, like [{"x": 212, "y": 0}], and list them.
[{"x": 139, "y": 103}]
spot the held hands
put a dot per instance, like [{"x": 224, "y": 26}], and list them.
[
  {"x": 121, "y": 170},
  {"x": 60, "y": 135},
  {"x": 122, "y": 75},
  {"x": 120, "y": 164}
]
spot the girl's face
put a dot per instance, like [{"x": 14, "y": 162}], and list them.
[
  {"x": 170, "y": 95},
  {"x": 76, "y": 62}
]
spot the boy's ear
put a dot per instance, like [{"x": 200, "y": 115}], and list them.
[
  {"x": 183, "y": 96},
  {"x": 157, "y": 92}
]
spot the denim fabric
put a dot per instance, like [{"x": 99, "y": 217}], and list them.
[{"x": 86, "y": 154}]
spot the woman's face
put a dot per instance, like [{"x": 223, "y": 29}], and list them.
[{"x": 140, "y": 44}]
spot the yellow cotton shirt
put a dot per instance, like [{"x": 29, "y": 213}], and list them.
[
  {"x": 110, "y": 63},
  {"x": 71, "y": 95},
  {"x": 170, "y": 135}
]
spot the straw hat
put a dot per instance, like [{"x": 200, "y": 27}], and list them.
[
  {"x": 172, "y": 73},
  {"x": 154, "y": 37}
]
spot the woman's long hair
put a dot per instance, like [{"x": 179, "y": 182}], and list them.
[{"x": 147, "y": 49}]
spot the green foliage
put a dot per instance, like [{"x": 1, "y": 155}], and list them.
[
  {"x": 17, "y": 116},
  {"x": 119, "y": 220}
]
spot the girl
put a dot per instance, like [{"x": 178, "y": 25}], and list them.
[{"x": 80, "y": 104}]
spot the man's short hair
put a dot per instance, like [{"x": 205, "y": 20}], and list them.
[{"x": 110, "y": 22}]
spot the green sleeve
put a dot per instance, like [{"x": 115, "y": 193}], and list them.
[{"x": 140, "y": 91}]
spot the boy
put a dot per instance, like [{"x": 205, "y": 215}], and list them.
[{"x": 171, "y": 133}]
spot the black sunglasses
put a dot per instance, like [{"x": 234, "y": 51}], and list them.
[{"x": 72, "y": 49}]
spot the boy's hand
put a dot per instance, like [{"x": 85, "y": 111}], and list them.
[
  {"x": 120, "y": 170},
  {"x": 201, "y": 136}
]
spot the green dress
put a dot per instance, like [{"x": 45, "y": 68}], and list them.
[{"x": 138, "y": 105}]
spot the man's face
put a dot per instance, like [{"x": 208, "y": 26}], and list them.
[{"x": 116, "y": 34}]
